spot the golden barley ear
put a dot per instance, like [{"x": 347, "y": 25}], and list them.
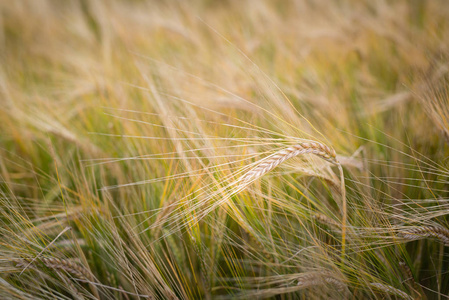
[{"x": 279, "y": 157}]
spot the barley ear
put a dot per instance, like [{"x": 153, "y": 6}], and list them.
[
  {"x": 388, "y": 289},
  {"x": 420, "y": 232}
]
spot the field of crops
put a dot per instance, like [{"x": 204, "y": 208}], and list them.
[{"x": 258, "y": 149}]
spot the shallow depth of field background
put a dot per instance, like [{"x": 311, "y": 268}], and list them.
[{"x": 126, "y": 125}]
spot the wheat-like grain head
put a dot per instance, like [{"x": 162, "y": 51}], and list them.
[
  {"x": 420, "y": 232},
  {"x": 388, "y": 289},
  {"x": 319, "y": 278},
  {"x": 61, "y": 264},
  {"x": 271, "y": 162}
]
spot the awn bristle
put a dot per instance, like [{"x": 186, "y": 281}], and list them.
[
  {"x": 388, "y": 289},
  {"x": 416, "y": 233}
]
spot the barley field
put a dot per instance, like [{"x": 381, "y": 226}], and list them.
[{"x": 258, "y": 149}]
